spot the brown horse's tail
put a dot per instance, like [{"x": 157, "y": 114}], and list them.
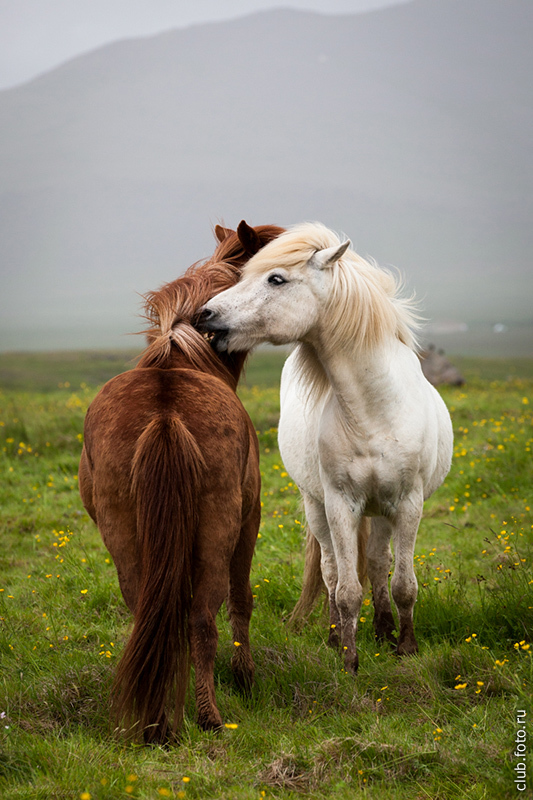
[
  {"x": 166, "y": 474},
  {"x": 313, "y": 585}
]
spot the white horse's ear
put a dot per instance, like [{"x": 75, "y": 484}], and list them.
[{"x": 323, "y": 259}]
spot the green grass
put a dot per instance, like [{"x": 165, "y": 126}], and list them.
[
  {"x": 61, "y": 370},
  {"x": 401, "y": 729}
]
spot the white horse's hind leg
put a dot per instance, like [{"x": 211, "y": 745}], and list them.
[
  {"x": 404, "y": 585},
  {"x": 379, "y": 558},
  {"x": 318, "y": 524}
]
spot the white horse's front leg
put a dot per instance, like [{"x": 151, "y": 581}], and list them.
[
  {"x": 343, "y": 522},
  {"x": 318, "y": 525},
  {"x": 404, "y": 585}
]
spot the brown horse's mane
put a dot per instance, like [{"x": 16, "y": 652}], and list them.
[{"x": 172, "y": 309}]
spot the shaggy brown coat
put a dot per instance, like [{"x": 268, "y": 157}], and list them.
[{"x": 170, "y": 474}]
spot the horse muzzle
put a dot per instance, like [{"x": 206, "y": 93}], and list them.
[{"x": 209, "y": 323}]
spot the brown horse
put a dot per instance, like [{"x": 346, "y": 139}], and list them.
[{"x": 170, "y": 474}]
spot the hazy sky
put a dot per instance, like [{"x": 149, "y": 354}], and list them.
[{"x": 37, "y": 35}]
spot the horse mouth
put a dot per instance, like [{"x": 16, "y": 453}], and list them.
[
  {"x": 217, "y": 340},
  {"x": 212, "y": 331}
]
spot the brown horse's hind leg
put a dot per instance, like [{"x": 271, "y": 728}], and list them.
[
  {"x": 85, "y": 483},
  {"x": 118, "y": 530},
  {"x": 119, "y": 533},
  {"x": 209, "y": 592},
  {"x": 240, "y": 604}
]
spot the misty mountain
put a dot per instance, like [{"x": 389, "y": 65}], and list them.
[{"x": 409, "y": 128}]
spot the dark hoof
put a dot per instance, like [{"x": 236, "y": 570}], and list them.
[
  {"x": 384, "y": 627},
  {"x": 243, "y": 669},
  {"x": 159, "y": 733},
  {"x": 351, "y": 663},
  {"x": 334, "y": 639},
  {"x": 210, "y": 724},
  {"x": 155, "y": 737},
  {"x": 407, "y": 647},
  {"x": 244, "y": 679}
]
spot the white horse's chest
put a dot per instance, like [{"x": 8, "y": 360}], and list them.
[
  {"x": 372, "y": 468},
  {"x": 373, "y": 458}
]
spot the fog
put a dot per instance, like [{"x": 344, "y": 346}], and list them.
[{"x": 116, "y": 165}]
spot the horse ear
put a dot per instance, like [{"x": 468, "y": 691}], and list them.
[
  {"x": 248, "y": 238},
  {"x": 329, "y": 256},
  {"x": 222, "y": 233}
]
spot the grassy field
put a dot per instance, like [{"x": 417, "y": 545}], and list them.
[{"x": 443, "y": 724}]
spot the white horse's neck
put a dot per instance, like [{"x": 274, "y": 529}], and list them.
[{"x": 367, "y": 384}]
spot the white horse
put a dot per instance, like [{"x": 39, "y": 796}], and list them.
[{"x": 362, "y": 432}]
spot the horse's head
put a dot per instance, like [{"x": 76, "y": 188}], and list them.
[
  {"x": 281, "y": 294},
  {"x": 173, "y": 309}
]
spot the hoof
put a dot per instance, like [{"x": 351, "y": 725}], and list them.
[
  {"x": 210, "y": 725},
  {"x": 408, "y": 647},
  {"x": 159, "y": 733},
  {"x": 244, "y": 678},
  {"x": 210, "y": 722},
  {"x": 156, "y": 736},
  {"x": 384, "y": 627},
  {"x": 351, "y": 664}
]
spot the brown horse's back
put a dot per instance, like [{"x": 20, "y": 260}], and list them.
[
  {"x": 127, "y": 404},
  {"x": 170, "y": 474}
]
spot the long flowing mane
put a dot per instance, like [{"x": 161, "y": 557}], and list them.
[
  {"x": 365, "y": 306},
  {"x": 171, "y": 311}
]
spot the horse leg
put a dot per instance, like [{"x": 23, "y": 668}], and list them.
[
  {"x": 240, "y": 602},
  {"x": 217, "y": 539},
  {"x": 318, "y": 523},
  {"x": 379, "y": 559},
  {"x": 119, "y": 533},
  {"x": 85, "y": 483},
  {"x": 344, "y": 520},
  {"x": 209, "y": 592},
  {"x": 404, "y": 584}
]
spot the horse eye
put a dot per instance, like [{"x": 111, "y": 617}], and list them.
[{"x": 276, "y": 280}]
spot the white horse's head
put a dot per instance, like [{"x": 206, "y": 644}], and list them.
[
  {"x": 281, "y": 295},
  {"x": 307, "y": 286}
]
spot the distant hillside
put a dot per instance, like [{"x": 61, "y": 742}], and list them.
[{"x": 409, "y": 128}]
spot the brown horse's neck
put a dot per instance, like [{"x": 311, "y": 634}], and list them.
[
  {"x": 234, "y": 365},
  {"x": 185, "y": 348}
]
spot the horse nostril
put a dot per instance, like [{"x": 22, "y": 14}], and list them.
[{"x": 205, "y": 316}]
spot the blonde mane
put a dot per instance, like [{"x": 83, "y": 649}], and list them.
[{"x": 365, "y": 307}]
